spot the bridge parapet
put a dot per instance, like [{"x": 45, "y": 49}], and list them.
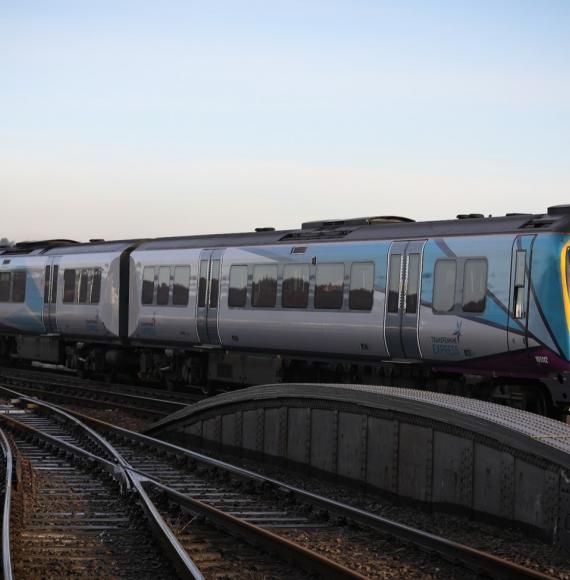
[{"x": 432, "y": 448}]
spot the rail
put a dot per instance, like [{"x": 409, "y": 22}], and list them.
[{"x": 6, "y": 558}]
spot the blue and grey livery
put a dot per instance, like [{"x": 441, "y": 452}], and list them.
[{"x": 477, "y": 305}]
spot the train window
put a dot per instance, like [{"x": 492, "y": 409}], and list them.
[
  {"x": 413, "y": 283},
  {"x": 19, "y": 287},
  {"x": 83, "y": 286},
  {"x": 329, "y": 285},
  {"x": 520, "y": 278},
  {"x": 361, "y": 295},
  {"x": 264, "y": 287},
  {"x": 163, "y": 290},
  {"x": 54, "y": 284},
  {"x": 5, "y": 285},
  {"x": 444, "y": 285},
  {"x": 202, "y": 283},
  {"x": 96, "y": 286},
  {"x": 237, "y": 292},
  {"x": 474, "y": 285},
  {"x": 69, "y": 285},
  {"x": 46, "y": 284},
  {"x": 214, "y": 283},
  {"x": 295, "y": 286},
  {"x": 181, "y": 287},
  {"x": 394, "y": 283},
  {"x": 147, "y": 296}
]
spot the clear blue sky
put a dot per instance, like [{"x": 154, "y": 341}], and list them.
[{"x": 161, "y": 118}]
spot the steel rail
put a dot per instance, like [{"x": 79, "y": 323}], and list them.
[
  {"x": 58, "y": 379},
  {"x": 6, "y": 558},
  {"x": 140, "y": 481},
  {"x": 93, "y": 396},
  {"x": 449, "y": 549},
  {"x": 285, "y": 548},
  {"x": 119, "y": 469}
]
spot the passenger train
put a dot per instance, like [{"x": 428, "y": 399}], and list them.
[{"x": 476, "y": 306}]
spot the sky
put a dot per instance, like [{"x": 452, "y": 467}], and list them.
[{"x": 124, "y": 118}]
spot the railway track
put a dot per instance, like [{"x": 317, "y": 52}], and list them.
[
  {"x": 203, "y": 500},
  {"x": 75, "y": 498},
  {"x": 151, "y": 403}
]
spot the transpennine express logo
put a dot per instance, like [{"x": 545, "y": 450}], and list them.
[{"x": 448, "y": 345}]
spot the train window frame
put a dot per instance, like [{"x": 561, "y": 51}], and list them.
[
  {"x": 83, "y": 287},
  {"x": 369, "y": 305},
  {"x": 482, "y": 302},
  {"x": 146, "y": 302},
  {"x": 319, "y": 293},
  {"x": 287, "y": 299},
  {"x": 203, "y": 276},
  {"x": 7, "y": 284},
  {"x": 214, "y": 282},
  {"x": 394, "y": 285},
  {"x": 95, "y": 290},
  {"x": 19, "y": 292},
  {"x": 185, "y": 287},
  {"x": 440, "y": 263},
  {"x": 47, "y": 282},
  {"x": 163, "y": 285},
  {"x": 69, "y": 290},
  {"x": 243, "y": 289},
  {"x": 413, "y": 282},
  {"x": 272, "y": 302}
]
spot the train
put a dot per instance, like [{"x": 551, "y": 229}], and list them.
[{"x": 477, "y": 306}]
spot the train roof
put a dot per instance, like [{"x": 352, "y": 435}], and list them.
[
  {"x": 557, "y": 219},
  {"x": 63, "y": 247}
]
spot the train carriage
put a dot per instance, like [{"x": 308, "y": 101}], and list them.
[{"x": 475, "y": 305}]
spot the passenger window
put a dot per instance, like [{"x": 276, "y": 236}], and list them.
[
  {"x": 83, "y": 285},
  {"x": 329, "y": 285},
  {"x": 394, "y": 283},
  {"x": 68, "y": 286},
  {"x": 214, "y": 283},
  {"x": 147, "y": 296},
  {"x": 444, "y": 285},
  {"x": 474, "y": 285},
  {"x": 96, "y": 286},
  {"x": 361, "y": 294},
  {"x": 46, "y": 284},
  {"x": 237, "y": 292},
  {"x": 5, "y": 284},
  {"x": 264, "y": 287},
  {"x": 19, "y": 287},
  {"x": 163, "y": 290},
  {"x": 181, "y": 288},
  {"x": 295, "y": 286},
  {"x": 54, "y": 284},
  {"x": 413, "y": 283},
  {"x": 202, "y": 283}
]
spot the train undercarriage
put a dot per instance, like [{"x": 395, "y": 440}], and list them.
[{"x": 207, "y": 369}]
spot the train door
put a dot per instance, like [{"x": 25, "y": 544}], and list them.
[
  {"x": 521, "y": 258},
  {"x": 51, "y": 275},
  {"x": 403, "y": 289},
  {"x": 208, "y": 296}
]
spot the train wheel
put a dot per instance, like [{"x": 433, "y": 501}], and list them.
[{"x": 208, "y": 388}]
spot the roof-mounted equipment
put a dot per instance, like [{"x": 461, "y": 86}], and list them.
[
  {"x": 559, "y": 210},
  {"x": 29, "y": 247},
  {"x": 470, "y": 216},
  {"x": 539, "y": 221},
  {"x": 364, "y": 221},
  {"x": 259, "y": 230}
]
